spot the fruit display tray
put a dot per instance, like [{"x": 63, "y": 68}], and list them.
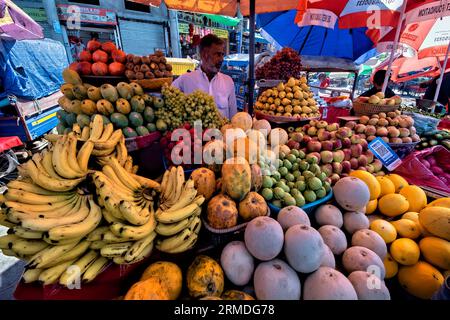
[
  {"x": 367, "y": 109},
  {"x": 278, "y": 119},
  {"x": 100, "y": 80},
  {"x": 223, "y": 236},
  {"x": 308, "y": 208},
  {"x": 154, "y": 84}
]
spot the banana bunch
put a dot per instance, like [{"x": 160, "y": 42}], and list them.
[
  {"x": 103, "y": 142},
  {"x": 179, "y": 212}
]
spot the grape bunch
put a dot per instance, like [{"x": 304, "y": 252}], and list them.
[
  {"x": 283, "y": 65},
  {"x": 180, "y": 109}
]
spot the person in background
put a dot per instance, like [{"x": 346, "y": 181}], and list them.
[
  {"x": 378, "y": 80},
  {"x": 444, "y": 92},
  {"x": 208, "y": 77},
  {"x": 324, "y": 80},
  {"x": 76, "y": 47}
]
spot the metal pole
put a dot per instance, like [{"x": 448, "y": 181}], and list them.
[
  {"x": 441, "y": 77},
  {"x": 251, "y": 52},
  {"x": 394, "y": 47}
]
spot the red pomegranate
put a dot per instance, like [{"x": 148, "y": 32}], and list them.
[
  {"x": 116, "y": 69},
  {"x": 84, "y": 68},
  {"x": 93, "y": 45},
  {"x": 119, "y": 56},
  {"x": 100, "y": 69},
  {"x": 108, "y": 47},
  {"x": 74, "y": 66},
  {"x": 100, "y": 56},
  {"x": 85, "y": 56}
]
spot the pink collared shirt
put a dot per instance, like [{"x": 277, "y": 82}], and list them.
[{"x": 221, "y": 87}]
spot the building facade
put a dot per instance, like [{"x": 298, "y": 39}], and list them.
[{"x": 135, "y": 28}]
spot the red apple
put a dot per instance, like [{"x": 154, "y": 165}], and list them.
[
  {"x": 327, "y": 169},
  {"x": 346, "y": 143},
  {"x": 85, "y": 56},
  {"x": 346, "y": 166},
  {"x": 354, "y": 163},
  {"x": 338, "y": 156},
  {"x": 100, "y": 56},
  {"x": 356, "y": 150},
  {"x": 100, "y": 69},
  {"x": 337, "y": 144},
  {"x": 326, "y": 156},
  {"x": 348, "y": 154},
  {"x": 314, "y": 146},
  {"x": 337, "y": 167},
  {"x": 327, "y": 145}
]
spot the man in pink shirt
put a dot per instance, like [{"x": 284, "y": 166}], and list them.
[{"x": 208, "y": 78}]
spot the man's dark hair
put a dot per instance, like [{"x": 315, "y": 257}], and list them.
[
  {"x": 379, "y": 76},
  {"x": 209, "y": 40}
]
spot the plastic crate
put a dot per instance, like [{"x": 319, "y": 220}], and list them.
[{"x": 181, "y": 66}]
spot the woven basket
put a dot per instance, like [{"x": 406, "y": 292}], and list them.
[
  {"x": 280, "y": 119},
  {"x": 367, "y": 109}
]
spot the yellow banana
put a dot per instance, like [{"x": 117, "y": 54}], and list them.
[
  {"x": 10, "y": 253},
  {"x": 195, "y": 224},
  {"x": 173, "y": 228},
  {"x": 50, "y": 183},
  {"x": 26, "y": 234},
  {"x": 122, "y": 154},
  {"x": 84, "y": 154},
  {"x": 134, "y": 214},
  {"x": 47, "y": 163},
  {"x": 186, "y": 245},
  {"x": 138, "y": 247},
  {"x": 97, "y": 267},
  {"x": 135, "y": 169},
  {"x": 72, "y": 254},
  {"x": 107, "y": 187},
  {"x": 115, "y": 249},
  {"x": 18, "y": 215},
  {"x": 30, "y": 187},
  {"x": 145, "y": 182},
  {"x": 173, "y": 241},
  {"x": 96, "y": 128},
  {"x": 177, "y": 215},
  {"x": 110, "y": 237},
  {"x": 134, "y": 232},
  {"x": 124, "y": 176},
  {"x": 49, "y": 254},
  {"x": 33, "y": 198},
  {"x": 59, "y": 243},
  {"x": 76, "y": 129},
  {"x": 7, "y": 241},
  {"x": 97, "y": 234},
  {"x": 85, "y": 133},
  {"x": 111, "y": 174},
  {"x": 109, "y": 217},
  {"x": 187, "y": 196},
  {"x": 52, "y": 137},
  {"x": 31, "y": 275},
  {"x": 97, "y": 245},
  {"x": 111, "y": 142},
  {"x": 60, "y": 160},
  {"x": 72, "y": 155},
  {"x": 28, "y": 247},
  {"x": 102, "y": 153},
  {"x": 51, "y": 275},
  {"x": 170, "y": 185},
  {"x": 128, "y": 165},
  {"x": 107, "y": 132},
  {"x": 144, "y": 254},
  {"x": 164, "y": 182},
  {"x": 81, "y": 264},
  {"x": 81, "y": 228},
  {"x": 78, "y": 213}
]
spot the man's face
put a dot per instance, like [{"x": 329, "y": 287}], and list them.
[{"x": 212, "y": 58}]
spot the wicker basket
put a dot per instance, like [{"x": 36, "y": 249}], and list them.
[
  {"x": 222, "y": 236},
  {"x": 154, "y": 84},
  {"x": 367, "y": 109},
  {"x": 277, "y": 119}
]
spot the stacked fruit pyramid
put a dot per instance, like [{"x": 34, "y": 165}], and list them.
[
  {"x": 292, "y": 98},
  {"x": 62, "y": 212},
  {"x": 126, "y": 106}
]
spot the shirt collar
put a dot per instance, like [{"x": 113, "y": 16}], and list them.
[{"x": 205, "y": 76}]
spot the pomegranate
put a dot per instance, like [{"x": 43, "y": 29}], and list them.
[
  {"x": 116, "y": 69},
  {"x": 100, "y": 69},
  {"x": 100, "y": 56},
  {"x": 93, "y": 45},
  {"x": 85, "y": 56},
  {"x": 84, "y": 68},
  {"x": 108, "y": 47},
  {"x": 74, "y": 66},
  {"x": 119, "y": 56}
]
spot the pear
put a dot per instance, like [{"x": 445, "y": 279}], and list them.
[
  {"x": 109, "y": 93},
  {"x": 125, "y": 90},
  {"x": 105, "y": 107},
  {"x": 94, "y": 93},
  {"x": 80, "y": 92}
]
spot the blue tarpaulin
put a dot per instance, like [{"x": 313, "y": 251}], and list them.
[
  {"x": 314, "y": 40},
  {"x": 31, "y": 69}
]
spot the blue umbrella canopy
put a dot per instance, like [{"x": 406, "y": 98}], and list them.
[{"x": 280, "y": 28}]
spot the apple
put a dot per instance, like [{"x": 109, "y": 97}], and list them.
[
  {"x": 312, "y": 131},
  {"x": 313, "y": 158},
  {"x": 360, "y": 128},
  {"x": 326, "y": 156},
  {"x": 346, "y": 166},
  {"x": 370, "y": 168},
  {"x": 346, "y": 143},
  {"x": 327, "y": 145},
  {"x": 337, "y": 167},
  {"x": 306, "y": 139},
  {"x": 377, "y": 165},
  {"x": 332, "y": 127},
  {"x": 292, "y": 144},
  {"x": 350, "y": 124},
  {"x": 306, "y": 127},
  {"x": 362, "y": 168},
  {"x": 338, "y": 156},
  {"x": 334, "y": 178},
  {"x": 364, "y": 144},
  {"x": 333, "y": 135},
  {"x": 297, "y": 136},
  {"x": 327, "y": 169},
  {"x": 362, "y": 160},
  {"x": 354, "y": 163},
  {"x": 313, "y": 123},
  {"x": 321, "y": 124},
  {"x": 337, "y": 144},
  {"x": 369, "y": 156},
  {"x": 324, "y": 135},
  {"x": 356, "y": 150},
  {"x": 343, "y": 132},
  {"x": 347, "y": 154},
  {"x": 370, "y": 130},
  {"x": 355, "y": 139},
  {"x": 314, "y": 146}
]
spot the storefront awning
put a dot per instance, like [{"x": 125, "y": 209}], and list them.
[{"x": 227, "y": 21}]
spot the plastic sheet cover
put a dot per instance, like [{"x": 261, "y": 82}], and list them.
[{"x": 31, "y": 69}]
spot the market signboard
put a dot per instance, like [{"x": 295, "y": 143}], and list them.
[
  {"x": 86, "y": 14},
  {"x": 37, "y": 14},
  {"x": 183, "y": 28}
]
